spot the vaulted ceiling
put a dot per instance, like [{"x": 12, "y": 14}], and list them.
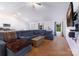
[{"x": 26, "y": 12}]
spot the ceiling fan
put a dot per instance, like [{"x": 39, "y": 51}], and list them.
[{"x": 38, "y": 4}]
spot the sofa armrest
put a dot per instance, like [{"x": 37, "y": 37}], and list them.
[
  {"x": 2, "y": 42},
  {"x": 2, "y": 48},
  {"x": 26, "y": 37}
]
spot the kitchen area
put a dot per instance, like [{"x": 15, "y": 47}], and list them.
[{"x": 72, "y": 29}]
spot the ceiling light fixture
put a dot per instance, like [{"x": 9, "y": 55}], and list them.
[{"x": 17, "y": 14}]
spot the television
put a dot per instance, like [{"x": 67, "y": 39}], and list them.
[{"x": 6, "y": 25}]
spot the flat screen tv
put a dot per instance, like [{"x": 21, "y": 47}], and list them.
[{"x": 6, "y": 25}]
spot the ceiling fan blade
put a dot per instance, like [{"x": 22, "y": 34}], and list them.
[{"x": 38, "y": 4}]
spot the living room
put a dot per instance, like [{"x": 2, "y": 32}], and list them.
[{"x": 31, "y": 28}]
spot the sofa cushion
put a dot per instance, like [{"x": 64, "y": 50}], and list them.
[
  {"x": 49, "y": 35},
  {"x": 39, "y": 32},
  {"x": 18, "y": 45},
  {"x": 1, "y": 36},
  {"x": 27, "y": 37},
  {"x": 25, "y": 34},
  {"x": 9, "y": 36}
]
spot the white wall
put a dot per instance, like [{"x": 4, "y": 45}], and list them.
[
  {"x": 75, "y": 5},
  {"x": 15, "y": 23},
  {"x": 47, "y": 25}
]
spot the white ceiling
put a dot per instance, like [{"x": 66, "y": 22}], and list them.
[{"x": 25, "y": 11}]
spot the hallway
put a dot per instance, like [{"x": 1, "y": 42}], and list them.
[{"x": 56, "y": 47}]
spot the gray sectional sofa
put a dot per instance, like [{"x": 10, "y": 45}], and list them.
[
  {"x": 24, "y": 35},
  {"x": 29, "y": 34}
]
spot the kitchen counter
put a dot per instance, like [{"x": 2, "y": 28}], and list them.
[{"x": 72, "y": 44}]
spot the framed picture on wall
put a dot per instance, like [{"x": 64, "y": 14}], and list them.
[{"x": 6, "y": 25}]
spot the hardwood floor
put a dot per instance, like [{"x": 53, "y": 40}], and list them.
[{"x": 56, "y": 47}]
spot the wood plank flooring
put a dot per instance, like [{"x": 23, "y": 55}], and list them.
[{"x": 56, "y": 47}]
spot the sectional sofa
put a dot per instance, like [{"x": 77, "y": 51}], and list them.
[
  {"x": 29, "y": 34},
  {"x": 19, "y": 43},
  {"x": 13, "y": 46}
]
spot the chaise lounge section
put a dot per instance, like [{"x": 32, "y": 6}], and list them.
[{"x": 16, "y": 47}]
